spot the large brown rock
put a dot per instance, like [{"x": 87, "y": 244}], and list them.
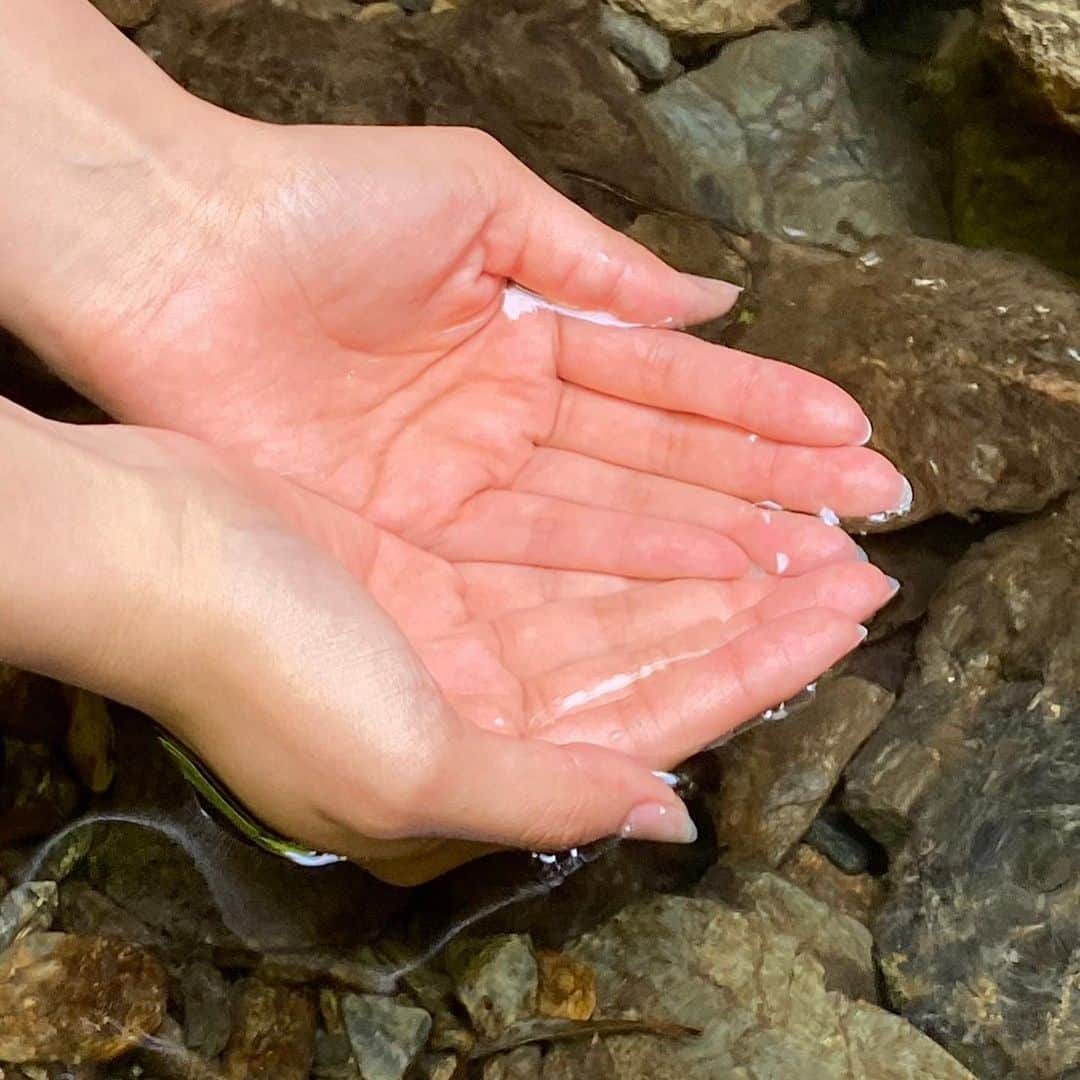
[
  {"x": 1007, "y": 611},
  {"x": 74, "y": 999},
  {"x": 755, "y": 982},
  {"x": 1041, "y": 39},
  {"x": 967, "y": 362},
  {"x": 718, "y": 17},
  {"x": 778, "y": 776},
  {"x": 273, "y": 1033}
]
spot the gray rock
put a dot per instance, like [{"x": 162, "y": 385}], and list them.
[
  {"x": 386, "y": 1036},
  {"x": 979, "y": 346},
  {"x": 796, "y": 134},
  {"x": 84, "y": 910},
  {"x": 980, "y": 935},
  {"x": 1008, "y": 607},
  {"x": 759, "y": 993},
  {"x": 1041, "y": 39},
  {"x": 718, "y": 17},
  {"x": 25, "y": 909},
  {"x": 333, "y": 1058},
  {"x": 846, "y": 851},
  {"x": 643, "y": 48},
  {"x": 273, "y": 1033},
  {"x": 778, "y": 776},
  {"x": 204, "y": 997},
  {"x": 495, "y": 979},
  {"x": 66, "y": 998},
  {"x": 524, "y": 1063}
]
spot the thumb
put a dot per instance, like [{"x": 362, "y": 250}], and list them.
[
  {"x": 541, "y": 240},
  {"x": 529, "y": 793}
]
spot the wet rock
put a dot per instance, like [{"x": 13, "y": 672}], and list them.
[
  {"x": 496, "y": 980},
  {"x": 859, "y": 896},
  {"x": 848, "y": 852},
  {"x": 25, "y": 909},
  {"x": 718, "y": 17},
  {"x": 521, "y": 1064},
  {"x": 273, "y": 1033},
  {"x": 980, "y": 934},
  {"x": 90, "y": 740},
  {"x": 1041, "y": 39},
  {"x": 84, "y": 910},
  {"x": 1006, "y": 612},
  {"x": 438, "y": 1067},
  {"x": 643, "y": 48},
  {"x": 204, "y": 997},
  {"x": 797, "y": 135},
  {"x": 980, "y": 346},
  {"x": 778, "y": 776},
  {"x": 760, "y": 997},
  {"x": 37, "y": 795},
  {"x": 535, "y": 75},
  {"x": 333, "y": 1057},
  {"x": 127, "y": 13},
  {"x": 71, "y": 999},
  {"x": 567, "y": 987},
  {"x": 386, "y": 1035}
]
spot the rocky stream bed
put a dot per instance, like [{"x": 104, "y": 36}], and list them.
[{"x": 888, "y": 881}]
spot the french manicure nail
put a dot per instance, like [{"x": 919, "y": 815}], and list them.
[
  {"x": 861, "y": 555},
  {"x": 863, "y": 631},
  {"x": 894, "y": 585},
  {"x": 668, "y": 778},
  {"x": 906, "y": 498},
  {"x": 869, "y": 432},
  {"x": 667, "y": 822}
]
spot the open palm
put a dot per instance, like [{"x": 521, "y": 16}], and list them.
[{"x": 333, "y": 311}]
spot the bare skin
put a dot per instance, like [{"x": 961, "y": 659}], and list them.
[{"x": 325, "y": 305}]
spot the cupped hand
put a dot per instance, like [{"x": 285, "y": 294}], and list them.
[
  {"x": 329, "y": 304},
  {"x": 514, "y": 707}
]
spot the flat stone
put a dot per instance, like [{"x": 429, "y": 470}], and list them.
[
  {"x": 523, "y": 1063},
  {"x": 204, "y": 997},
  {"x": 273, "y": 1033},
  {"x": 980, "y": 346},
  {"x": 643, "y": 48},
  {"x": 797, "y": 135},
  {"x": 495, "y": 979},
  {"x": 759, "y": 995},
  {"x": 1008, "y": 606},
  {"x": 84, "y": 910},
  {"x": 25, "y": 909},
  {"x": 718, "y": 17},
  {"x": 1041, "y": 39},
  {"x": 979, "y": 934},
  {"x": 386, "y": 1035},
  {"x": 72, "y": 999},
  {"x": 859, "y": 895},
  {"x": 776, "y": 777}
]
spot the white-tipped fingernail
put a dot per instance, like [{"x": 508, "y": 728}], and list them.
[
  {"x": 861, "y": 555},
  {"x": 906, "y": 498},
  {"x": 869, "y": 432},
  {"x": 667, "y": 822},
  {"x": 894, "y": 585},
  {"x": 863, "y": 631},
  {"x": 668, "y": 778}
]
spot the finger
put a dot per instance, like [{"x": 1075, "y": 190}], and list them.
[
  {"x": 851, "y": 480},
  {"x": 770, "y": 538},
  {"x": 532, "y": 794},
  {"x": 593, "y": 676},
  {"x": 505, "y": 526},
  {"x": 675, "y": 371},
  {"x": 694, "y": 700},
  {"x": 540, "y": 239}
]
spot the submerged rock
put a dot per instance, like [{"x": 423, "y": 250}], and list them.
[
  {"x": 718, "y": 17},
  {"x": 779, "y": 775},
  {"x": 980, "y": 935},
  {"x": 273, "y": 1033},
  {"x": 1007, "y": 611},
  {"x": 797, "y": 134},
  {"x": 496, "y": 980},
  {"x": 859, "y": 896},
  {"x": 643, "y": 48},
  {"x": 127, "y": 13},
  {"x": 385, "y": 1035},
  {"x": 980, "y": 347},
  {"x": 1041, "y": 39},
  {"x": 27, "y": 908},
  {"x": 73, "y": 999},
  {"x": 753, "y": 983}
]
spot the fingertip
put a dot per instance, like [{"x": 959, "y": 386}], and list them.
[{"x": 706, "y": 299}]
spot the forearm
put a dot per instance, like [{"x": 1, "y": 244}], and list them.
[
  {"x": 89, "y": 566},
  {"x": 96, "y": 170}
]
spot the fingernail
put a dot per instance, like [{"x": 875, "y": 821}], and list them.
[
  {"x": 668, "y": 822},
  {"x": 668, "y": 778},
  {"x": 717, "y": 297},
  {"x": 869, "y": 432},
  {"x": 894, "y": 585},
  {"x": 861, "y": 555},
  {"x": 906, "y": 498},
  {"x": 862, "y": 632}
]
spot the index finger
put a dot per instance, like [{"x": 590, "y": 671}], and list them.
[{"x": 674, "y": 371}]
